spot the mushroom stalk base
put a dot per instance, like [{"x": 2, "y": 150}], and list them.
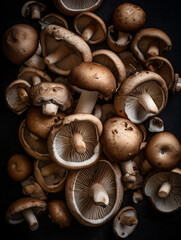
[
  {"x": 99, "y": 195},
  {"x": 88, "y": 32},
  {"x": 128, "y": 220},
  {"x": 78, "y": 143},
  {"x": 122, "y": 38},
  {"x": 35, "y": 12},
  {"x": 23, "y": 95},
  {"x": 164, "y": 190},
  {"x": 153, "y": 50},
  {"x": 31, "y": 219},
  {"x": 49, "y": 109},
  {"x": 147, "y": 102},
  {"x": 50, "y": 169}
]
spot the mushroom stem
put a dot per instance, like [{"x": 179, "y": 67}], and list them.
[
  {"x": 35, "y": 11},
  {"x": 99, "y": 195},
  {"x": 22, "y": 93},
  {"x": 128, "y": 220},
  {"x": 122, "y": 38},
  {"x": 59, "y": 53},
  {"x": 164, "y": 190},
  {"x": 86, "y": 102},
  {"x": 128, "y": 171},
  {"x": 137, "y": 196},
  {"x": 50, "y": 169},
  {"x": 31, "y": 219},
  {"x": 36, "y": 80},
  {"x": 78, "y": 143},
  {"x": 88, "y": 32},
  {"x": 49, "y": 108},
  {"x": 153, "y": 50},
  {"x": 147, "y": 102}
]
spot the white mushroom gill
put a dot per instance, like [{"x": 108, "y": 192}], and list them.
[
  {"x": 79, "y": 4},
  {"x": 144, "y": 102}
]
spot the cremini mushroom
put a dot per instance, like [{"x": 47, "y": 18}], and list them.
[
  {"x": 150, "y": 42},
  {"x": 164, "y": 191},
  {"x": 90, "y": 27},
  {"x": 33, "y": 8},
  {"x": 94, "y": 194},
  {"x": 26, "y": 208},
  {"x": 72, "y": 8},
  {"x": 74, "y": 141},
  {"x": 63, "y": 49},
  {"x": 59, "y": 213},
  {"x": 53, "y": 18},
  {"x": 19, "y": 167},
  {"x": 19, "y": 43},
  {"x": 125, "y": 222},
  {"x": 163, "y": 151},
  {"x": 156, "y": 124},
  {"x": 141, "y": 96}
]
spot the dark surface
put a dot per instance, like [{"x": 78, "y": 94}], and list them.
[{"x": 152, "y": 224}]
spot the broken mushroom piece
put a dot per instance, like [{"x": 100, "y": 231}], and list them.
[
  {"x": 163, "y": 151},
  {"x": 17, "y": 96},
  {"x": 90, "y": 27},
  {"x": 94, "y": 194},
  {"x": 50, "y": 175},
  {"x": 150, "y": 42},
  {"x": 156, "y": 125},
  {"x": 53, "y": 18},
  {"x": 164, "y": 191},
  {"x": 74, "y": 141},
  {"x": 72, "y": 8},
  {"x": 32, "y": 8},
  {"x": 26, "y": 208},
  {"x": 141, "y": 96},
  {"x": 63, "y": 49},
  {"x": 125, "y": 222},
  {"x": 19, "y": 43}
]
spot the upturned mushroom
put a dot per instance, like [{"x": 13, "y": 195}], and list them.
[
  {"x": 63, "y": 49},
  {"x": 74, "y": 141},
  {"x": 156, "y": 124},
  {"x": 94, "y": 194},
  {"x": 53, "y": 18},
  {"x": 90, "y": 27},
  {"x": 141, "y": 96},
  {"x": 32, "y": 8},
  {"x": 26, "y": 208}
]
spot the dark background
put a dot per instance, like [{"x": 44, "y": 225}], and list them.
[{"x": 152, "y": 224}]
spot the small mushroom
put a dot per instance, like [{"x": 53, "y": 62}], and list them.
[
  {"x": 125, "y": 222},
  {"x": 19, "y": 43},
  {"x": 141, "y": 96},
  {"x": 26, "y": 208},
  {"x": 59, "y": 213},
  {"x": 53, "y": 18},
  {"x": 32, "y": 8},
  {"x": 156, "y": 125},
  {"x": 163, "y": 151},
  {"x": 19, "y": 167},
  {"x": 176, "y": 87},
  {"x": 74, "y": 141},
  {"x": 164, "y": 191},
  {"x": 91, "y": 27},
  {"x": 62, "y": 49},
  {"x": 137, "y": 196},
  {"x": 94, "y": 194}
]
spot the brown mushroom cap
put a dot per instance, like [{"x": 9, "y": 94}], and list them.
[
  {"x": 128, "y": 17},
  {"x": 53, "y": 18},
  {"x": 79, "y": 196},
  {"x": 91, "y": 27},
  {"x": 19, "y": 167},
  {"x": 116, "y": 137},
  {"x": 19, "y": 43},
  {"x": 163, "y": 151}
]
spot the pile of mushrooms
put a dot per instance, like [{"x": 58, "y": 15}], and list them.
[{"x": 84, "y": 130}]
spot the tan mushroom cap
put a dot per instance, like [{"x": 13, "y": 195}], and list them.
[
  {"x": 91, "y": 27},
  {"x": 128, "y": 17},
  {"x": 63, "y": 49},
  {"x": 116, "y": 137},
  {"x": 72, "y": 8},
  {"x": 148, "y": 42},
  {"x": 19, "y": 43},
  {"x": 163, "y": 151},
  {"x": 33, "y": 8},
  {"x": 83, "y": 187},
  {"x": 53, "y": 18}
]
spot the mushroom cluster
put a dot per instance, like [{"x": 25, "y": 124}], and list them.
[{"x": 84, "y": 132}]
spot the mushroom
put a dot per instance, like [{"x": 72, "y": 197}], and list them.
[
  {"x": 53, "y": 18},
  {"x": 19, "y": 43},
  {"x": 94, "y": 194},
  {"x": 26, "y": 208},
  {"x": 125, "y": 222},
  {"x": 150, "y": 42},
  {"x": 137, "y": 196},
  {"x": 156, "y": 125},
  {"x": 163, "y": 151},
  {"x": 32, "y": 8},
  {"x": 141, "y": 96},
  {"x": 59, "y": 213},
  {"x": 19, "y": 167},
  {"x": 31, "y": 188},
  {"x": 74, "y": 141},
  {"x": 62, "y": 49},
  {"x": 17, "y": 96},
  {"x": 164, "y": 191},
  {"x": 91, "y": 27},
  {"x": 72, "y": 8},
  {"x": 93, "y": 79},
  {"x": 176, "y": 87},
  {"x": 50, "y": 175}
]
